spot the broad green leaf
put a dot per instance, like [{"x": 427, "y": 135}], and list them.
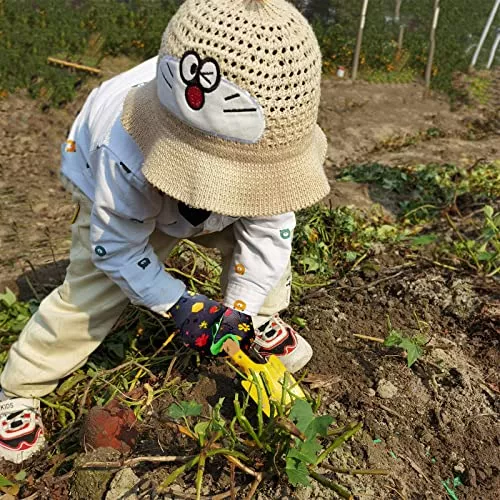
[
  {"x": 351, "y": 256},
  {"x": 486, "y": 256},
  {"x": 385, "y": 231},
  {"x": 8, "y": 298},
  {"x": 393, "y": 339},
  {"x": 310, "y": 264},
  {"x": 488, "y": 211},
  {"x": 301, "y": 414},
  {"x": 21, "y": 475},
  {"x": 413, "y": 350},
  {"x": 320, "y": 425},
  {"x": 419, "y": 339},
  {"x": 297, "y": 472},
  {"x": 5, "y": 482},
  {"x": 305, "y": 451},
  {"x": 184, "y": 409}
]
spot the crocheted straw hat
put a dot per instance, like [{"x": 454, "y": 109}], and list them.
[{"x": 229, "y": 124}]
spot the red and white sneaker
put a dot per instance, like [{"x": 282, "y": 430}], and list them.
[
  {"x": 21, "y": 429},
  {"x": 278, "y": 338}
]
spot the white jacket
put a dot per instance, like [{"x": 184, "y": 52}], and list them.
[{"x": 102, "y": 160}]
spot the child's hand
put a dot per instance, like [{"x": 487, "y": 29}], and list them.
[
  {"x": 206, "y": 324},
  {"x": 195, "y": 316}
]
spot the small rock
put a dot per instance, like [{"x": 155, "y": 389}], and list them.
[
  {"x": 459, "y": 468},
  {"x": 122, "y": 485},
  {"x": 426, "y": 437},
  {"x": 92, "y": 484},
  {"x": 370, "y": 393},
  {"x": 359, "y": 298},
  {"x": 470, "y": 478},
  {"x": 386, "y": 389}
]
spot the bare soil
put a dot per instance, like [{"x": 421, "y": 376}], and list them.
[{"x": 439, "y": 420}]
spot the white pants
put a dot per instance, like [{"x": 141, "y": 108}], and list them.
[{"x": 76, "y": 317}]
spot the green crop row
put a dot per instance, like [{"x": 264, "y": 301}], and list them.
[
  {"x": 84, "y": 31},
  {"x": 460, "y": 25}
]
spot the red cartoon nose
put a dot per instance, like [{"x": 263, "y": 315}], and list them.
[{"x": 195, "y": 97}]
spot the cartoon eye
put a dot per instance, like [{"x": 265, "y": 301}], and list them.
[
  {"x": 210, "y": 75},
  {"x": 190, "y": 65}
]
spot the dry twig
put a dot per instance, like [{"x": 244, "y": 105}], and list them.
[
  {"x": 69, "y": 64},
  {"x": 134, "y": 461}
]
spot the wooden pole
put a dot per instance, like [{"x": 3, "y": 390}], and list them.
[
  {"x": 397, "y": 12},
  {"x": 432, "y": 48},
  {"x": 401, "y": 37},
  {"x": 68, "y": 64},
  {"x": 493, "y": 52},
  {"x": 359, "y": 40},
  {"x": 486, "y": 30}
]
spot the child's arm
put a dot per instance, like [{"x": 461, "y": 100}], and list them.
[
  {"x": 260, "y": 258},
  {"x": 122, "y": 220}
]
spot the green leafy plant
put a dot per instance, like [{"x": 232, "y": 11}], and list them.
[
  {"x": 414, "y": 346},
  {"x": 479, "y": 252},
  {"x": 13, "y": 316},
  {"x": 11, "y": 487},
  {"x": 330, "y": 242},
  {"x": 295, "y": 441},
  {"x": 429, "y": 189}
]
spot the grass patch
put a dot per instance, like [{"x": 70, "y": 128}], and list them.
[
  {"x": 454, "y": 210},
  {"x": 431, "y": 188},
  {"x": 480, "y": 87},
  {"x": 405, "y": 75}
]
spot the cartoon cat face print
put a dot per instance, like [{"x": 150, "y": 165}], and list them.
[{"x": 194, "y": 90}]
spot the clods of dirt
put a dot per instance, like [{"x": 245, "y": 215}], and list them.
[
  {"x": 112, "y": 426},
  {"x": 434, "y": 422}
]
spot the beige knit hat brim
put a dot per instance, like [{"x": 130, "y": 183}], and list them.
[{"x": 218, "y": 175}]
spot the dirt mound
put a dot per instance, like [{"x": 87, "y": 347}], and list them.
[{"x": 397, "y": 124}]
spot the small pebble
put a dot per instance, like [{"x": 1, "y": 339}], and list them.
[{"x": 386, "y": 389}]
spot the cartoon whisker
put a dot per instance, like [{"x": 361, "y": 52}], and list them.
[
  {"x": 165, "y": 78},
  {"x": 170, "y": 70},
  {"x": 230, "y": 97},
  {"x": 247, "y": 110}
]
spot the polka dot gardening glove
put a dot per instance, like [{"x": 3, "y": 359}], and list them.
[{"x": 205, "y": 324}]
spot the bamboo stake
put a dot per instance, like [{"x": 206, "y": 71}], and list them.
[
  {"x": 486, "y": 30},
  {"x": 359, "y": 40},
  {"x": 494, "y": 49},
  {"x": 366, "y": 337},
  {"x": 397, "y": 12},
  {"x": 79, "y": 67},
  {"x": 401, "y": 37},
  {"x": 432, "y": 48},
  {"x": 134, "y": 461}
]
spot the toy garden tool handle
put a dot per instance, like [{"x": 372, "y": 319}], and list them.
[
  {"x": 274, "y": 383},
  {"x": 233, "y": 350}
]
